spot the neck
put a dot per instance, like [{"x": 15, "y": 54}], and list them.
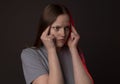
[{"x": 58, "y": 49}]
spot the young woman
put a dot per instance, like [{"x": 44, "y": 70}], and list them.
[{"x": 55, "y": 58}]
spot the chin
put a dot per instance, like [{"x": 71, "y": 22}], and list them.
[{"x": 60, "y": 45}]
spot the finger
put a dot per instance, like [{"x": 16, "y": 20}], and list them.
[
  {"x": 73, "y": 30},
  {"x": 51, "y": 36},
  {"x": 46, "y": 31},
  {"x": 72, "y": 35}
]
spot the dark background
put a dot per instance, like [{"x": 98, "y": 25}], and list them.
[{"x": 93, "y": 20}]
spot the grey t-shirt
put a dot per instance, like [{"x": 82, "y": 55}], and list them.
[{"x": 35, "y": 64}]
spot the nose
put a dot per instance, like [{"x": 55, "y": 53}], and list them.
[{"x": 62, "y": 32}]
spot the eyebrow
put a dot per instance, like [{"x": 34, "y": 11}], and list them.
[
  {"x": 60, "y": 26},
  {"x": 56, "y": 26}
]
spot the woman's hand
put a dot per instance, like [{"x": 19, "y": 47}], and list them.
[
  {"x": 73, "y": 39},
  {"x": 48, "y": 40}
]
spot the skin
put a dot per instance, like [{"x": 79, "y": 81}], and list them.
[
  {"x": 81, "y": 75},
  {"x": 60, "y": 29},
  {"x": 59, "y": 35}
]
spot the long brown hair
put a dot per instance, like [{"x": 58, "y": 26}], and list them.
[{"x": 50, "y": 14}]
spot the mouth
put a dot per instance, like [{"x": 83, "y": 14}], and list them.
[{"x": 61, "y": 40}]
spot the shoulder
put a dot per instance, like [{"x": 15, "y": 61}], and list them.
[
  {"x": 29, "y": 53},
  {"x": 33, "y": 64}
]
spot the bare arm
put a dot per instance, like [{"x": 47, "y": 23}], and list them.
[
  {"x": 81, "y": 74},
  {"x": 55, "y": 74}
]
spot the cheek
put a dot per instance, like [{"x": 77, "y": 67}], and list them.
[{"x": 53, "y": 32}]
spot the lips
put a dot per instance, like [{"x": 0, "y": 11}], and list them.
[{"x": 61, "y": 40}]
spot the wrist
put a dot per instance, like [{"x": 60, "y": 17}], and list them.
[
  {"x": 52, "y": 50},
  {"x": 72, "y": 47}
]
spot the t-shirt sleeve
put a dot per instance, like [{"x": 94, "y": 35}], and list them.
[{"x": 32, "y": 64}]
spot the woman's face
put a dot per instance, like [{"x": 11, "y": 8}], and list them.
[{"x": 61, "y": 29}]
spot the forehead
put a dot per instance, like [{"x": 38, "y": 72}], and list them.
[{"x": 62, "y": 20}]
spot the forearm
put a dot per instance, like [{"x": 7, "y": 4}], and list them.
[
  {"x": 81, "y": 74},
  {"x": 55, "y": 73}
]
